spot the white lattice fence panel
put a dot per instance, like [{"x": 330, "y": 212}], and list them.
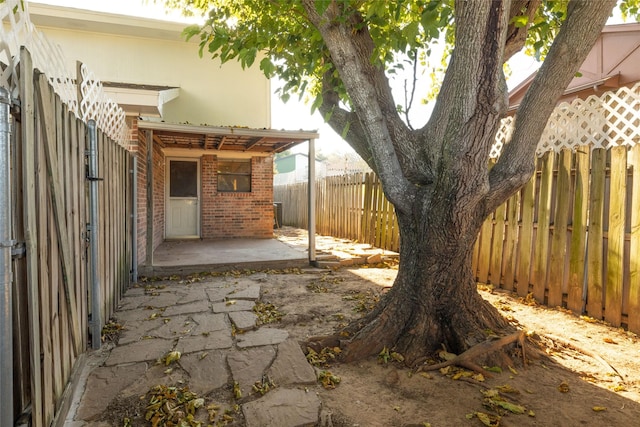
[
  {"x": 622, "y": 109},
  {"x": 18, "y": 30},
  {"x": 96, "y": 105},
  {"x": 504, "y": 134},
  {"x": 15, "y": 28},
  {"x": 600, "y": 122}
]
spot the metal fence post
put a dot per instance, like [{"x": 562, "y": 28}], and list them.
[
  {"x": 312, "y": 203},
  {"x": 6, "y": 243},
  {"x": 92, "y": 231}
]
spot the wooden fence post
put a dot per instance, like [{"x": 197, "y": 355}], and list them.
[
  {"x": 595, "y": 239},
  {"x": 615, "y": 236},
  {"x": 634, "y": 246},
  {"x": 27, "y": 98},
  {"x": 578, "y": 231},
  {"x": 560, "y": 223}
]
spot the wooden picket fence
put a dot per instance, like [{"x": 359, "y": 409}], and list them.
[
  {"x": 348, "y": 206},
  {"x": 571, "y": 236},
  {"x": 52, "y": 298}
]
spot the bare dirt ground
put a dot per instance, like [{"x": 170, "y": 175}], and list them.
[{"x": 590, "y": 375}]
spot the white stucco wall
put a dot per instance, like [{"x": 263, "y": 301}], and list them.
[{"x": 150, "y": 52}]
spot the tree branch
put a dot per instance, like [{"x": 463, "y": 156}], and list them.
[
  {"x": 351, "y": 49},
  {"x": 516, "y": 36},
  {"x": 584, "y": 23},
  {"x": 473, "y": 96},
  {"x": 340, "y": 119}
]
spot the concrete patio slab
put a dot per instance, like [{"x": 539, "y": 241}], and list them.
[{"x": 190, "y": 256}]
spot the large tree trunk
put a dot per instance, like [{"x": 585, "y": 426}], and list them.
[{"x": 434, "y": 299}]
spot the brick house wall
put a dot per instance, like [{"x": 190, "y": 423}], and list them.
[
  {"x": 230, "y": 215},
  {"x": 141, "y": 222},
  {"x": 158, "y": 195}
]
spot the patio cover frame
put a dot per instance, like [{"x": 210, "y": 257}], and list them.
[{"x": 219, "y": 139}]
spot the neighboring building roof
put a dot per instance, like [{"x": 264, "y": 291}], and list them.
[
  {"x": 614, "y": 62},
  {"x": 225, "y": 138}
]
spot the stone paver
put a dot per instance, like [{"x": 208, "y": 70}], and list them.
[
  {"x": 259, "y": 277},
  {"x": 210, "y": 322},
  {"x": 244, "y": 320},
  {"x": 250, "y": 292},
  {"x": 165, "y": 299},
  {"x": 232, "y": 305},
  {"x": 136, "y": 331},
  {"x": 248, "y": 366},
  {"x": 154, "y": 375},
  {"x": 195, "y": 307},
  {"x": 141, "y": 351},
  {"x": 290, "y": 366},
  {"x": 194, "y": 295},
  {"x": 124, "y": 316},
  {"x": 213, "y": 341},
  {"x": 174, "y": 327},
  {"x": 218, "y": 293},
  {"x": 207, "y": 371},
  {"x": 131, "y": 303},
  {"x": 283, "y": 407},
  {"x": 197, "y": 321},
  {"x": 111, "y": 380},
  {"x": 262, "y": 336}
]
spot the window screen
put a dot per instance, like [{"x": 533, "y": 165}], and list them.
[
  {"x": 234, "y": 176},
  {"x": 183, "y": 179}
]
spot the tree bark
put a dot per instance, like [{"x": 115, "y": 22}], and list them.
[{"x": 434, "y": 300}]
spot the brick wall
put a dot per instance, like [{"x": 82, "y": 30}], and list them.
[
  {"x": 142, "y": 195},
  {"x": 158, "y": 196},
  {"x": 237, "y": 214}
]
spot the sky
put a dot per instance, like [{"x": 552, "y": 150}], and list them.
[{"x": 292, "y": 115}]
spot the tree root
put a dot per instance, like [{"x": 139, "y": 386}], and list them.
[
  {"x": 595, "y": 356},
  {"x": 317, "y": 343},
  {"x": 465, "y": 360}
]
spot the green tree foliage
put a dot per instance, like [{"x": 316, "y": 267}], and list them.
[{"x": 279, "y": 36}]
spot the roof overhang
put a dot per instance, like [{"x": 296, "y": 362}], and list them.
[
  {"x": 224, "y": 139},
  {"x": 71, "y": 18},
  {"x": 581, "y": 91},
  {"x": 140, "y": 100}
]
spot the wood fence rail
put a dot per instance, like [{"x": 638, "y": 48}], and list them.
[
  {"x": 51, "y": 297},
  {"x": 571, "y": 236}
]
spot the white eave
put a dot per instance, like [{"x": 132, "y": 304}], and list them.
[
  {"x": 43, "y": 15},
  {"x": 141, "y": 101}
]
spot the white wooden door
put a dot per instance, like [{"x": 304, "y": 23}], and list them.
[{"x": 183, "y": 198}]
